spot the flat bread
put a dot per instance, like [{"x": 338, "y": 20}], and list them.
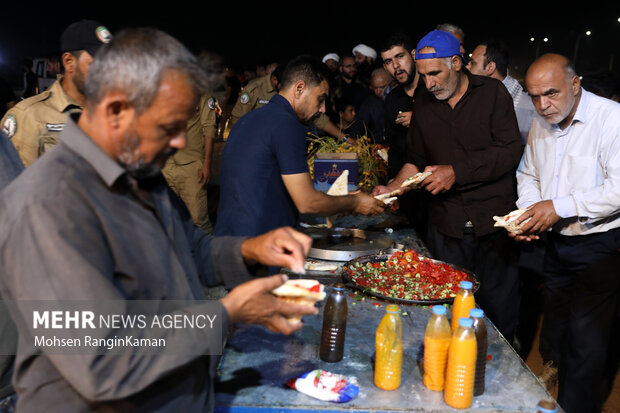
[
  {"x": 508, "y": 221},
  {"x": 416, "y": 179},
  {"x": 306, "y": 225},
  {"x": 340, "y": 185},
  {"x": 383, "y": 154},
  {"x": 302, "y": 291},
  {"x": 394, "y": 193},
  {"x": 313, "y": 265},
  {"x": 389, "y": 200}
]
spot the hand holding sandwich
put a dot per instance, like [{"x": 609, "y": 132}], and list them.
[
  {"x": 540, "y": 217},
  {"x": 252, "y": 302}
]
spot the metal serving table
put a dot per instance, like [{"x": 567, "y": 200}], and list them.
[{"x": 257, "y": 363}]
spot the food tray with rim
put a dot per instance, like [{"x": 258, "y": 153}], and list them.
[{"x": 384, "y": 257}]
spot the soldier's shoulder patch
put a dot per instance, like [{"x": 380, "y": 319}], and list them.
[
  {"x": 103, "y": 34},
  {"x": 244, "y": 98},
  {"x": 212, "y": 103},
  {"x": 10, "y": 125}
]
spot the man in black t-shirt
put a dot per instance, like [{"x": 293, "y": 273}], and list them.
[
  {"x": 348, "y": 85},
  {"x": 398, "y": 61}
]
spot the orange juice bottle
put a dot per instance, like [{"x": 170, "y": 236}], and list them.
[
  {"x": 459, "y": 391},
  {"x": 436, "y": 343},
  {"x": 389, "y": 350},
  {"x": 463, "y": 302}
]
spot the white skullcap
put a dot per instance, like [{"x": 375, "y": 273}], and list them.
[
  {"x": 331, "y": 56},
  {"x": 365, "y": 50}
]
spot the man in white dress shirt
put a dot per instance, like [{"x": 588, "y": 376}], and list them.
[
  {"x": 569, "y": 181},
  {"x": 491, "y": 58}
]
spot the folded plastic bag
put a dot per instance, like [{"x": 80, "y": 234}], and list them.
[{"x": 325, "y": 386}]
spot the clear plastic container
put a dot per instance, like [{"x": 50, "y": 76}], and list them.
[
  {"x": 459, "y": 389},
  {"x": 334, "y": 325},
  {"x": 389, "y": 350},
  {"x": 436, "y": 343},
  {"x": 463, "y": 303}
]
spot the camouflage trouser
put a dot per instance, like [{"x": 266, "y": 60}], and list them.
[
  {"x": 7, "y": 405},
  {"x": 183, "y": 179}
]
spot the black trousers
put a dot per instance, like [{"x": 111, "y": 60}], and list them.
[
  {"x": 531, "y": 259},
  {"x": 494, "y": 258},
  {"x": 581, "y": 276}
]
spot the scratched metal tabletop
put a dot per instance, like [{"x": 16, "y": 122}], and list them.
[{"x": 257, "y": 363}]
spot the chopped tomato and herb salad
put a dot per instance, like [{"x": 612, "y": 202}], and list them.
[{"x": 405, "y": 275}]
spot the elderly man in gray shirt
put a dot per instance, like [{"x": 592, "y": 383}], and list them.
[
  {"x": 10, "y": 167},
  {"x": 94, "y": 221},
  {"x": 10, "y": 164}
]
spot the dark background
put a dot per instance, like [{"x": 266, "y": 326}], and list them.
[{"x": 251, "y": 33}]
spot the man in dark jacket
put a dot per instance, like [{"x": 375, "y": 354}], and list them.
[{"x": 466, "y": 134}]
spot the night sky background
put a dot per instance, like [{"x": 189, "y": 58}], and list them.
[{"x": 268, "y": 31}]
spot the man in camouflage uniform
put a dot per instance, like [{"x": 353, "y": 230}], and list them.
[
  {"x": 188, "y": 170},
  {"x": 256, "y": 94},
  {"x": 33, "y": 125}
]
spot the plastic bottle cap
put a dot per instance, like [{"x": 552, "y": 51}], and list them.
[
  {"x": 467, "y": 285},
  {"x": 466, "y": 322},
  {"x": 439, "y": 309},
  {"x": 392, "y": 308},
  {"x": 547, "y": 406},
  {"x": 476, "y": 312}
]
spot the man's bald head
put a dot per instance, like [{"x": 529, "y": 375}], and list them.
[
  {"x": 554, "y": 87},
  {"x": 551, "y": 63},
  {"x": 379, "y": 81}
]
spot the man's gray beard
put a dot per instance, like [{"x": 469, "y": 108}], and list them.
[
  {"x": 133, "y": 162},
  {"x": 141, "y": 170}
]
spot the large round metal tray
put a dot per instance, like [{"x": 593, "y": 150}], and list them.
[
  {"x": 344, "y": 244},
  {"x": 384, "y": 257}
]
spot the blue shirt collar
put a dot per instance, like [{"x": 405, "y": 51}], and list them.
[{"x": 282, "y": 101}]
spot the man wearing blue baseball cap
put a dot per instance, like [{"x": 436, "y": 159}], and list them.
[{"x": 465, "y": 133}]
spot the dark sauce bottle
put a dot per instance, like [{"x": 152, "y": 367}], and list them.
[
  {"x": 334, "y": 325},
  {"x": 481, "y": 338}
]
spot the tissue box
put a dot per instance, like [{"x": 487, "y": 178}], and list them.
[{"x": 329, "y": 166}]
